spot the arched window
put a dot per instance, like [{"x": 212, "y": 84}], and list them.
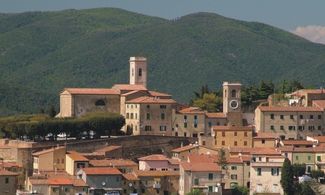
[
  {"x": 140, "y": 72},
  {"x": 233, "y": 93},
  {"x": 100, "y": 103}
]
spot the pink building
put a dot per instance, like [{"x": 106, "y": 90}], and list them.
[{"x": 158, "y": 162}]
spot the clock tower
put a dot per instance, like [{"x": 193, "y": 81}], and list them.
[{"x": 232, "y": 103}]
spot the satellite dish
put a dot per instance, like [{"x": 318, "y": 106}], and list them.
[
  {"x": 103, "y": 183},
  {"x": 130, "y": 184}
]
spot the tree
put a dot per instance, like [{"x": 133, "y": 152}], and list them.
[
  {"x": 317, "y": 173},
  {"x": 287, "y": 177},
  {"x": 210, "y": 102},
  {"x": 222, "y": 159},
  {"x": 52, "y": 112},
  {"x": 240, "y": 190},
  {"x": 298, "y": 169},
  {"x": 195, "y": 192}
]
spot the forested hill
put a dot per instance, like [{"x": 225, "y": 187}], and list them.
[{"x": 43, "y": 52}]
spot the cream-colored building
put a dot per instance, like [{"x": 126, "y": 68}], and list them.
[
  {"x": 238, "y": 171},
  {"x": 75, "y": 162},
  {"x": 265, "y": 171},
  {"x": 232, "y": 136},
  {"x": 49, "y": 160}
]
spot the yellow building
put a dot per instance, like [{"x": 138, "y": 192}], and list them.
[
  {"x": 263, "y": 139},
  {"x": 233, "y": 136},
  {"x": 75, "y": 162},
  {"x": 49, "y": 160}
]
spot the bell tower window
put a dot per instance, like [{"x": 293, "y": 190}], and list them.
[
  {"x": 140, "y": 72},
  {"x": 233, "y": 93}
]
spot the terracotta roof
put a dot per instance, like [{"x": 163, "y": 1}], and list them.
[
  {"x": 202, "y": 158},
  {"x": 128, "y": 87},
  {"x": 232, "y": 128},
  {"x": 79, "y": 183},
  {"x": 40, "y": 181},
  {"x": 112, "y": 163},
  {"x": 7, "y": 173},
  {"x": 192, "y": 110},
  {"x": 216, "y": 115},
  {"x": 245, "y": 150},
  {"x": 200, "y": 167},
  {"x": 321, "y": 139},
  {"x": 185, "y": 148},
  {"x": 92, "y": 91},
  {"x": 310, "y": 91},
  {"x": 101, "y": 171},
  {"x": 265, "y": 151},
  {"x": 246, "y": 158},
  {"x": 288, "y": 109},
  {"x": 76, "y": 156},
  {"x": 9, "y": 164},
  {"x": 296, "y": 142},
  {"x": 173, "y": 161},
  {"x": 109, "y": 148},
  {"x": 159, "y": 94},
  {"x": 151, "y": 100},
  {"x": 234, "y": 160},
  {"x": 266, "y": 135},
  {"x": 60, "y": 181},
  {"x": 154, "y": 157},
  {"x": 140, "y": 173},
  {"x": 47, "y": 151},
  {"x": 319, "y": 103},
  {"x": 318, "y": 149},
  {"x": 130, "y": 177}
]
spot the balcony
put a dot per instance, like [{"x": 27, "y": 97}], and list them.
[{"x": 266, "y": 164}]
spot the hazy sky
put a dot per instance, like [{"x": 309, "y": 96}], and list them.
[{"x": 304, "y": 17}]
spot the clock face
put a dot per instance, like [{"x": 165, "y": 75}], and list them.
[{"x": 233, "y": 104}]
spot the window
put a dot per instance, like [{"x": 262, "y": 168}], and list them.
[
  {"x": 259, "y": 171},
  {"x": 233, "y": 177},
  {"x": 163, "y": 106},
  {"x": 176, "y": 134},
  {"x": 210, "y": 188},
  {"x": 148, "y": 106},
  {"x": 235, "y": 133},
  {"x": 185, "y": 125},
  {"x": 301, "y": 116},
  {"x": 291, "y": 116},
  {"x": 147, "y": 128},
  {"x": 275, "y": 171},
  {"x": 163, "y": 128},
  {"x": 127, "y": 115},
  {"x": 245, "y": 134},
  {"x": 194, "y": 135},
  {"x": 319, "y": 127},
  {"x": 245, "y": 143},
  {"x": 301, "y": 128},
  {"x": 281, "y": 127},
  {"x": 309, "y": 157},
  {"x": 233, "y": 93},
  {"x": 185, "y": 134},
  {"x": 281, "y": 117},
  {"x": 100, "y": 103},
  {"x": 81, "y": 165},
  {"x": 223, "y": 143},
  {"x": 263, "y": 141},
  {"x": 7, "y": 180},
  {"x": 135, "y": 116},
  {"x": 195, "y": 125},
  {"x": 272, "y": 127},
  {"x": 148, "y": 116},
  {"x": 272, "y": 116},
  {"x": 311, "y": 117},
  {"x": 223, "y": 134},
  {"x": 233, "y": 167},
  {"x": 319, "y": 158},
  {"x": 140, "y": 72},
  {"x": 311, "y": 128},
  {"x": 210, "y": 124},
  {"x": 292, "y": 128},
  {"x": 196, "y": 181},
  {"x": 319, "y": 116},
  {"x": 131, "y": 115},
  {"x": 297, "y": 157},
  {"x": 62, "y": 160},
  {"x": 235, "y": 143},
  {"x": 210, "y": 176},
  {"x": 162, "y": 116}
]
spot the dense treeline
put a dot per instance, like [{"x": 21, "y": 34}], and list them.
[
  {"x": 38, "y": 127},
  {"x": 212, "y": 100}
]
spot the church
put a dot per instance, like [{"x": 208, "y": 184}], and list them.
[{"x": 130, "y": 100}]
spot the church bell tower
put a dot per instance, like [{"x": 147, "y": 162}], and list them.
[
  {"x": 138, "y": 71},
  {"x": 232, "y": 103}
]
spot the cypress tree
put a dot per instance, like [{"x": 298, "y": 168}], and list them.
[{"x": 287, "y": 177}]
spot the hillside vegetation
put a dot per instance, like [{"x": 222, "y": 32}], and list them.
[{"x": 43, "y": 52}]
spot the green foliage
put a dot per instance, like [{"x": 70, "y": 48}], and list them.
[
  {"x": 222, "y": 159},
  {"x": 317, "y": 173},
  {"x": 43, "y": 52},
  {"x": 32, "y": 126},
  {"x": 298, "y": 169},
  {"x": 210, "y": 102},
  {"x": 287, "y": 177},
  {"x": 52, "y": 112},
  {"x": 303, "y": 189},
  {"x": 195, "y": 192},
  {"x": 240, "y": 190}
]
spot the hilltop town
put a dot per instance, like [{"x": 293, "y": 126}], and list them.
[{"x": 164, "y": 147}]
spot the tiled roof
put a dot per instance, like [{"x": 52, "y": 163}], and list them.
[
  {"x": 128, "y": 87},
  {"x": 185, "y": 148},
  {"x": 154, "y": 157},
  {"x": 200, "y": 167},
  {"x": 79, "y": 183},
  {"x": 40, "y": 181},
  {"x": 101, "y": 171},
  {"x": 130, "y": 177},
  {"x": 47, "y": 151},
  {"x": 173, "y": 161},
  {"x": 310, "y": 91},
  {"x": 92, "y": 91},
  {"x": 232, "y": 128},
  {"x": 319, "y": 103},
  {"x": 296, "y": 142},
  {"x": 109, "y": 148},
  {"x": 159, "y": 94},
  {"x": 60, "y": 181},
  {"x": 245, "y": 150},
  {"x": 151, "y": 100},
  {"x": 266, "y": 135},
  {"x": 9, "y": 164},
  {"x": 216, "y": 115},
  {"x": 202, "y": 158},
  {"x": 156, "y": 173},
  {"x": 265, "y": 151},
  {"x": 246, "y": 158},
  {"x": 321, "y": 139},
  {"x": 288, "y": 109},
  {"x": 112, "y": 163},
  {"x": 7, "y": 173},
  {"x": 192, "y": 110},
  {"x": 234, "y": 160},
  {"x": 76, "y": 156}
]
